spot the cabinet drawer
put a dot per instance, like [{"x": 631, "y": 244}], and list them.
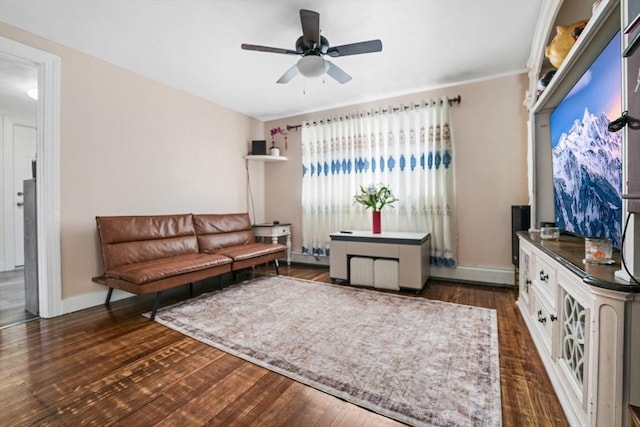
[
  {"x": 282, "y": 231},
  {"x": 271, "y": 231},
  {"x": 544, "y": 280},
  {"x": 545, "y": 319}
]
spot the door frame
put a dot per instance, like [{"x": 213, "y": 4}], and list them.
[{"x": 47, "y": 173}]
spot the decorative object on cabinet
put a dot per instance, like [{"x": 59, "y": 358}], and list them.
[
  {"x": 566, "y": 36},
  {"x": 544, "y": 81},
  {"x": 598, "y": 251},
  {"x": 549, "y": 233},
  {"x": 376, "y": 222},
  {"x": 375, "y": 198}
]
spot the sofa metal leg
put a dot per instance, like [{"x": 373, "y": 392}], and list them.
[
  {"x": 108, "y": 300},
  {"x": 275, "y": 262},
  {"x": 155, "y": 305}
]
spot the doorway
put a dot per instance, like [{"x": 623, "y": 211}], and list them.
[
  {"x": 47, "y": 171},
  {"x": 18, "y": 118}
]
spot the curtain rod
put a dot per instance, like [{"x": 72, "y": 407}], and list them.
[{"x": 451, "y": 101}]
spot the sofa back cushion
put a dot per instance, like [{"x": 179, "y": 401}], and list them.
[
  {"x": 217, "y": 231},
  {"x": 132, "y": 239}
]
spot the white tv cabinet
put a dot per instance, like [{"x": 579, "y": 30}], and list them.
[{"x": 586, "y": 328}]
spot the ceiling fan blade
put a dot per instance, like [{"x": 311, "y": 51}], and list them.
[
  {"x": 291, "y": 73},
  {"x": 355, "y": 48},
  {"x": 338, "y": 73},
  {"x": 310, "y": 21},
  {"x": 268, "y": 49}
]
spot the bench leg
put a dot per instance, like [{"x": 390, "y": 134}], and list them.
[
  {"x": 190, "y": 290},
  {"x": 108, "y": 300},
  {"x": 275, "y": 262},
  {"x": 155, "y": 305}
]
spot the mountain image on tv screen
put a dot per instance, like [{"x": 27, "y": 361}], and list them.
[{"x": 586, "y": 157}]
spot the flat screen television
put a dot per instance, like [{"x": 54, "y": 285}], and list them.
[{"x": 586, "y": 157}]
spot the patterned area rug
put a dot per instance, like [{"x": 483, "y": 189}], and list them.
[{"x": 421, "y": 362}]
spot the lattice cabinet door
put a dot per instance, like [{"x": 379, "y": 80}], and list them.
[
  {"x": 572, "y": 350},
  {"x": 574, "y": 330}
]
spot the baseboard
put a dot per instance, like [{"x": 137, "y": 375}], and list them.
[
  {"x": 81, "y": 302},
  {"x": 301, "y": 258},
  {"x": 470, "y": 274},
  {"x": 473, "y": 274}
]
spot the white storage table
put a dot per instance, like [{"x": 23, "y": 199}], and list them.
[{"x": 389, "y": 260}]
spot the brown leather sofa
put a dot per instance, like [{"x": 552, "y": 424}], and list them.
[{"x": 147, "y": 254}]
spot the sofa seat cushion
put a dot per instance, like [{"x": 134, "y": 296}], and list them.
[
  {"x": 250, "y": 250},
  {"x": 157, "y": 269}
]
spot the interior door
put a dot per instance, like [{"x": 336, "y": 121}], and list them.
[{"x": 24, "y": 152}]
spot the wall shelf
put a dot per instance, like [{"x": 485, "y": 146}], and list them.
[
  {"x": 266, "y": 158},
  {"x": 604, "y": 23}
]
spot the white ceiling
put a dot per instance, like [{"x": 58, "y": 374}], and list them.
[{"x": 195, "y": 45}]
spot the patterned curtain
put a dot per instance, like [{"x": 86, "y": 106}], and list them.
[{"x": 409, "y": 149}]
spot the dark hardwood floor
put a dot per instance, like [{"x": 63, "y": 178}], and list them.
[{"x": 112, "y": 366}]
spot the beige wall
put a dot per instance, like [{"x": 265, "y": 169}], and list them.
[
  {"x": 489, "y": 130},
  {"x": 130, "y": 145}
]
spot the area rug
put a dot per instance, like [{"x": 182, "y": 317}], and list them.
[{"x": 421, "y": 362}]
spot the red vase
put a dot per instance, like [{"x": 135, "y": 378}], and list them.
[{"x": 376, "y": 222}]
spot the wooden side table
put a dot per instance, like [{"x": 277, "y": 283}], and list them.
[{"x": 275, "y": 231}]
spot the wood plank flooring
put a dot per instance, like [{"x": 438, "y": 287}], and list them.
[{"x": 112, "y": 366}]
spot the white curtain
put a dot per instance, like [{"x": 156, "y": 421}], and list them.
[{"x": 409, "y": 149}]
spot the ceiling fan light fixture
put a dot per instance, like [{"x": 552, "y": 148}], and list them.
[{"x": 312, "y": 66}]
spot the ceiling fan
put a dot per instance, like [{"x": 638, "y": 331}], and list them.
[{"x": 313, "y": 47}]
